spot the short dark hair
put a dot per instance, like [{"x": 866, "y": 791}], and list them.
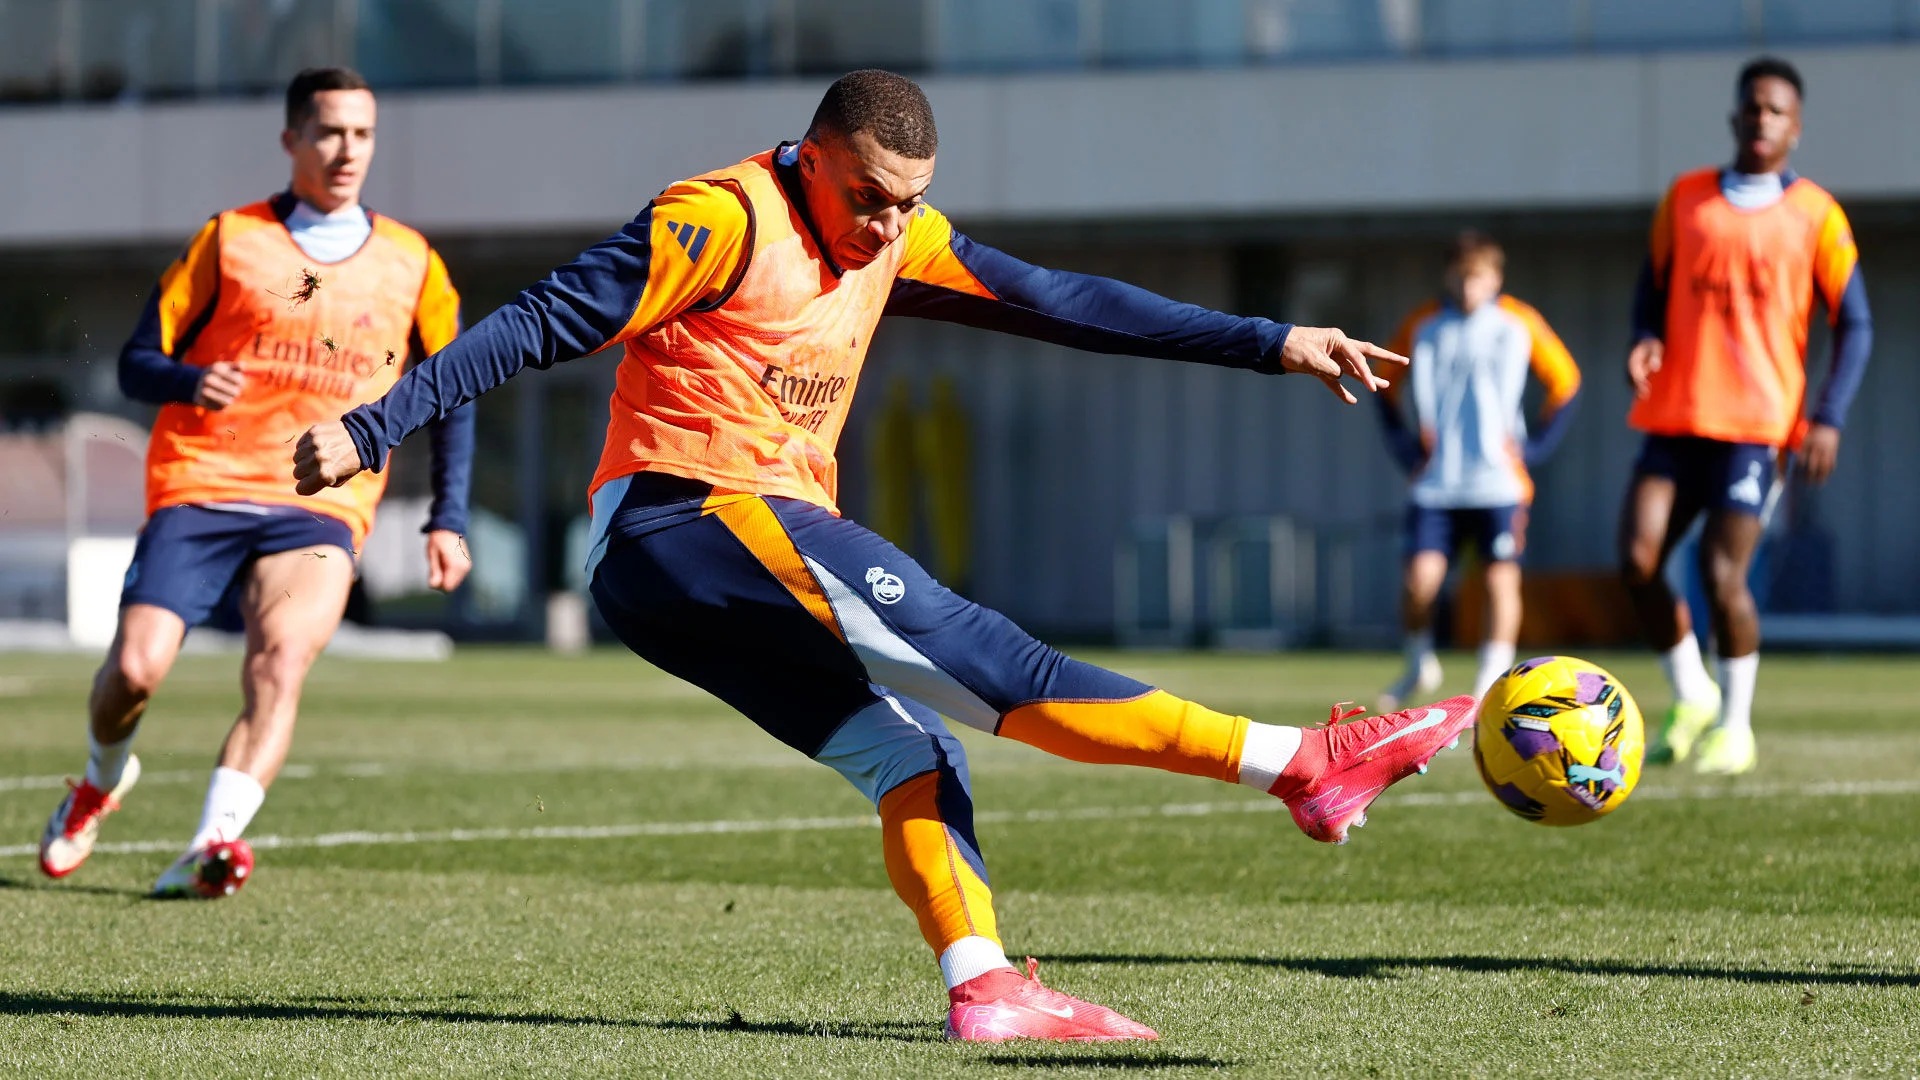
[
  {"x": 1765, "y": 67},
  {"x": 314, "y": 80},
  {"x": 890, "y": 107},
  {"x": 1472, "y": 245}
]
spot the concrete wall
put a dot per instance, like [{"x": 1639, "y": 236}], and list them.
[{"x": 1547, "y": 132}]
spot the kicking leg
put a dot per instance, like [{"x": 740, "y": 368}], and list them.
[{"x": 976, "y": 666}]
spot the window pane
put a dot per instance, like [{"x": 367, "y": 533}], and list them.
[
  {"x": 416, "y": 42},
  {"x": 1280, "y": 29},
  {"x": 1665, "y": 22},
  {"x": 263, "y": 43},
  {"x": 708, "y": 38},
  {"x": 573, "y": 41},
  {"x": 1788, "y": 21},
  {"x": 30, "y": 52},
  {"x": 1468, "y": 26},
  {"x": 1009, "y": 33},
  {"x": 836, "y": 36}
]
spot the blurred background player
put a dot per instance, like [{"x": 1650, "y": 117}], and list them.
[
  {"x": 1737, "y": 256},
  {"x": 747, "y": 298},
  {"x": 1469, "y": 448},
  {"x": 278, "y": 314}
]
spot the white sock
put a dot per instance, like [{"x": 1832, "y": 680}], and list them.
[
  {"x": 1686, "y": 672},
  {"x": 233, "y": 797},
  {"x": 1737, "y": 676},
  {"x": 969, "y": 957},
  {"x": 1495, "y": 658},
  {"x": 1268, "y": 750},
  {"x": 107, "y": 761},
  {"x": 1419, "y": 647}
]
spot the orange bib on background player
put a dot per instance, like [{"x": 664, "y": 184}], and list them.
[
  {"x": 365, "y": 306},
  {"x": 1740, "y": 286},
  {"x": 750, "y": 395}
]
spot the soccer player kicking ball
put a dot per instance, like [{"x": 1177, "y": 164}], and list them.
[
  {"x": 277, "y": 315},
  {"x": 1469, "y": 449},
  {"x": 746, "y": 299},
  {"x": 1738, "y": 255}
]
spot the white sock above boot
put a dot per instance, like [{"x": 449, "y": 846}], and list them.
[
  {"x": 1737, "y": 677},
  {"x": 1687, "y": 673},
  {"x": 233, "y": 797},
  {"x": 1496, "y": 657},
  {"x": 1268, "y": 750},
  {"x": 107, "y": 762}
]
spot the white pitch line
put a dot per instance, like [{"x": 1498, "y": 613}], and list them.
[
  {"x": 161, "y": 776},
  {"x": 1825, "y": 790},
  {"x": 372, "y": 769}
]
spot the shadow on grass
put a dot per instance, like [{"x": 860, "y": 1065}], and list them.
[
  {"x": 38, "y": 884},
  {"x": 14, "y": 1003},
  {"x": 1383, "y": 967},
  {"x": 1133, "y": 1059}
]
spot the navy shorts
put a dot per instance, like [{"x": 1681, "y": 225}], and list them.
[
  {"x": 1709, "y": 473},
  {"x": 1498, "y": 533},
  {"x": 192, "y": 560}
]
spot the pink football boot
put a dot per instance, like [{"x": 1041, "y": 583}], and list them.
[
  {"x": 1032, "y": 1011},
  {"x": 1343, "y": 766}
]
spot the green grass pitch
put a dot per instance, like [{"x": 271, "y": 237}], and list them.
[{"x": 519, "y": 865}]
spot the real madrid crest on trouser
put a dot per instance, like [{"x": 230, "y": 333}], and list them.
[{"x": 887, "y": 588}]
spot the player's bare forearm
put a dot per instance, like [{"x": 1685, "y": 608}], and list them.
[{"x": 324, "y": 457}]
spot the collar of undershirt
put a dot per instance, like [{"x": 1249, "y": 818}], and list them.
[
  {"x": 786, "y": 169},
  {"x": 285, "y": 203},
  {"x": 1732, "y": 179}
]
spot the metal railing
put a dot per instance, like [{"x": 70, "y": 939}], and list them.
[{"x": 54, "y": 50}]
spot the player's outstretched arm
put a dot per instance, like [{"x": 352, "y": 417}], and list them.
[
  {"x": 947, "y": 276},
  {"x": 1329, "y": 354}
]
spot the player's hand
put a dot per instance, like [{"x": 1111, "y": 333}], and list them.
[
  {"x": 1327, "y": 354},
  {"x": 1819, "y": 451},
  {"x": 324, "y": 457},
  {"x": 220, "y": 383},
  {"x": 1642, "y": 362},
  {"x": 447, "y": 561}
]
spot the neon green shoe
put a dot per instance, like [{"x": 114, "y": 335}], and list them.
[
  {"x": 1725, "y": 752},
  {"x": 1686, "y": 722}
]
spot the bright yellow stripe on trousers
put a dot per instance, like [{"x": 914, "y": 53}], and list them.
[{"x": 756, "y": 525}]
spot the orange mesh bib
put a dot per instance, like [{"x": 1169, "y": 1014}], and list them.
[
  {"x": 751, "y": 396},
  {"x": 1739, "y": 295},
  {"x": 304, "y": 361}
]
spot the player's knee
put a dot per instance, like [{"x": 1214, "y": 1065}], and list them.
[
  {"x": 280, "y": 665},
  {"x": 1639, "y": 561},
  {"x": 1726, "y": 582},
  {"x": 139, "y": 671}
]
